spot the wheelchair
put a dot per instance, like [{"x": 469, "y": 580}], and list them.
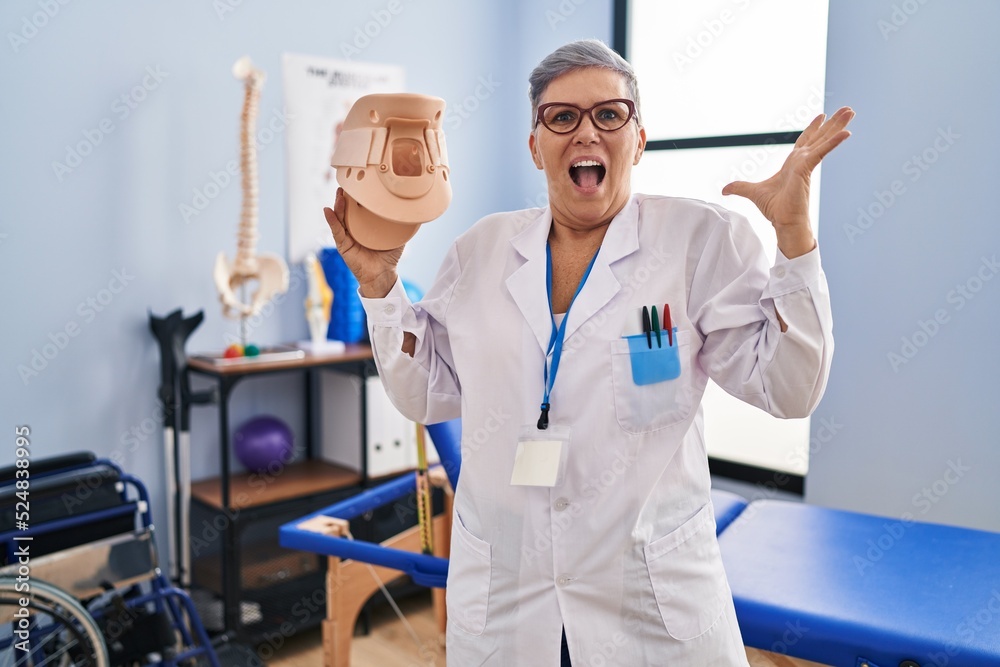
[{"x": 80, "y": 584}]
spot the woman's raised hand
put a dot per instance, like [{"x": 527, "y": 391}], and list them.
[
  {"x": 374, "y": 269},
  {"x": 784, "y": 198}
]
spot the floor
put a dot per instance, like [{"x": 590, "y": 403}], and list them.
[{"x": 389, "y": 644}]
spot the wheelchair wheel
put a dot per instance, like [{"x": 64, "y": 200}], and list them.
[{"x": 52, "y": 629}]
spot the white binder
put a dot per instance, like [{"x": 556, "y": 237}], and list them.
[
  {"x": 391, "y": 436},
  {"x": 391, "y": 442}
]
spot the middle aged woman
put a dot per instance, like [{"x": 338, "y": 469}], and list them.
[{"x": 583, "y": 514}]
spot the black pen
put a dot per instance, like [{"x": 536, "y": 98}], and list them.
[{"x": 646, "y": 327}]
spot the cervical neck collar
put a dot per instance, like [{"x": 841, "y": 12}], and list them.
[{"x": 392, "y": 163}]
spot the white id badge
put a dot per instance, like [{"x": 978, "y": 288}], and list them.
[{"x": 540, "y": 457}]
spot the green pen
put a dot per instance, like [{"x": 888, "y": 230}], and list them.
[{"x": 656, "y": 328}]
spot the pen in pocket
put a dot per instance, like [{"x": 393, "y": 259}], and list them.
[
  {"x": 668, "y": 325},
  {"x": 646, "y": 328},
  {"x": 656, "y": 328}
]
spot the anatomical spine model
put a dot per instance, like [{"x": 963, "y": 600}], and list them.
[{"x": 268, "y": 270}]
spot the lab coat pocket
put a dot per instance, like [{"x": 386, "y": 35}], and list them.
[
  {"x": 689, "y": 582},
  {"x": 469, "y": 572},
  {"x": 642, "y": 406}
]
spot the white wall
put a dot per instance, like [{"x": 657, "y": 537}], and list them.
[{"x": 916, "y": 434}]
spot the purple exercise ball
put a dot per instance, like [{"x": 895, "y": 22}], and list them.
[{"x": 263, "y": 443}]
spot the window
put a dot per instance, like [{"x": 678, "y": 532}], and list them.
[{"x": 727, "y": 86}]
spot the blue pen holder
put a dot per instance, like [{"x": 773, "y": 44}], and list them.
[{"x": 656, "y": 364}]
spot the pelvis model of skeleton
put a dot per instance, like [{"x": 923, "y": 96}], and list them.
[{"x": 268, "y": 270}]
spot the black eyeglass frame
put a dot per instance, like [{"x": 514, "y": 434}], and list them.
[{"x": 588, "y": 112}]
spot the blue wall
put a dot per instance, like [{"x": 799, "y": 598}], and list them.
[
  {"x": 85, "y": 253},
  {"x": 913, "y": 400}
]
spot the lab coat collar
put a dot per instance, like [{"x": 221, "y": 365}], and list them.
[{"x": 527, "y": 283}]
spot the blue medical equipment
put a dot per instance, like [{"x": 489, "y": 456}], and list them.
[{"x": 425, "y": 570}]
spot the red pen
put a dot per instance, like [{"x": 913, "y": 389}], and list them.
[{"x": 667, "y": 325}]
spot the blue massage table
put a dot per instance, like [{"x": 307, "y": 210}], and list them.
[
  {"x": 853, "y": 590},
  {"x": 835, "y": 587},
  {"x": 425, "y": 570},
  {"x": 727, "y": 506}
]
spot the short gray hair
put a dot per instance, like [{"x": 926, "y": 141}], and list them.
[{"x": 579, "y": 55}]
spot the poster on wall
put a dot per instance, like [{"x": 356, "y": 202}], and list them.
[{"x": 318, "y": 94}]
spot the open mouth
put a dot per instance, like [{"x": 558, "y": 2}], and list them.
[{"x": 587, "y": 174}]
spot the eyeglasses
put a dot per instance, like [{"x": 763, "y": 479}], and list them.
[{"x": 563, "y": 118}]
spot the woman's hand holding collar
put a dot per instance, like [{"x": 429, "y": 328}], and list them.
[{"x": 374, "y": 269}]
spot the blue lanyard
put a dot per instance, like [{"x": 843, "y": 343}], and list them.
[{"x": 558, "y": 334}]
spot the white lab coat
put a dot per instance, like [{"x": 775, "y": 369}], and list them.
[{"x": 622, "y": 551}]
